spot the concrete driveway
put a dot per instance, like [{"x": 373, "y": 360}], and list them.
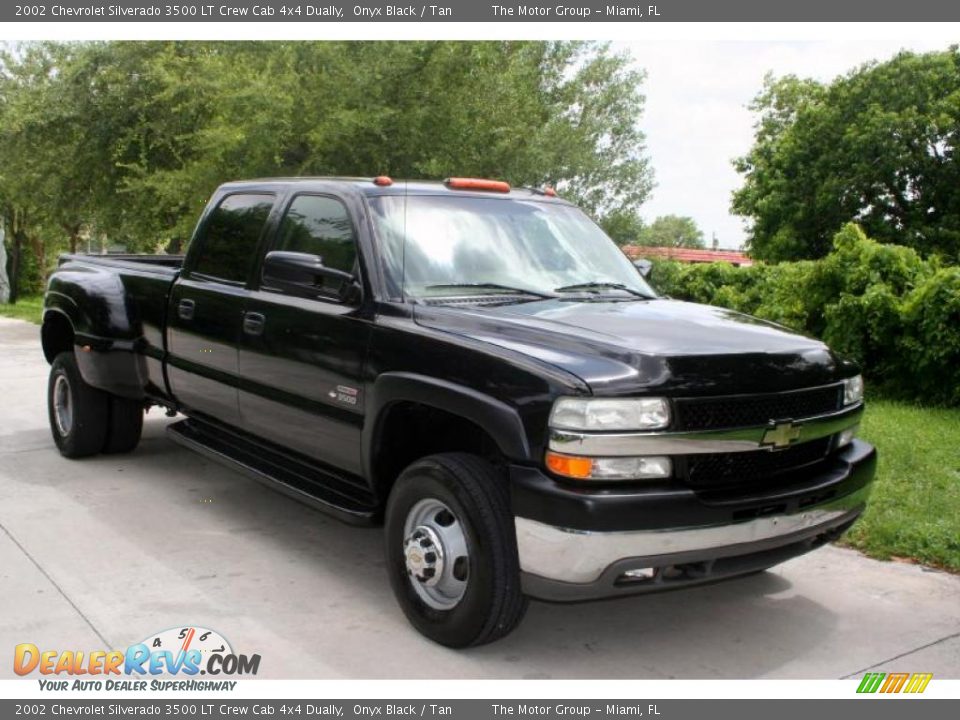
[{"x": 100, "y": 553}]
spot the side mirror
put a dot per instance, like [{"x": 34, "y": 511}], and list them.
[
  {"x": 643, "y": 266},
  {"x": 306, "y": 273}
]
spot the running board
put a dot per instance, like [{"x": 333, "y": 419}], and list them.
[{"x": 345, "y": 499}]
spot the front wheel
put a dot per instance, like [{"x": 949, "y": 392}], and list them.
[
  {"x": 451, "y": 550},
  {"x": 78, "y": 412}
]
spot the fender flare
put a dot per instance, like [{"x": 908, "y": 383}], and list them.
[
  {"x": 105, "y": 335},
  {"x": 495, "y": 417}
]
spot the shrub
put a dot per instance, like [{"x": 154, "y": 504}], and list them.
[
  {"x": 884, "y": 306},
  {"x": 930, "y": 346}
]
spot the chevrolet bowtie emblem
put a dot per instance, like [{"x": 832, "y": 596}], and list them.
[{"x": 781, "y": 435}]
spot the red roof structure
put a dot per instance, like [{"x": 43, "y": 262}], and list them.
[{"x": 687, "y": 255}]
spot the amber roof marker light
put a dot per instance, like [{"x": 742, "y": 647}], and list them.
[{"x": 456, "y": 183}]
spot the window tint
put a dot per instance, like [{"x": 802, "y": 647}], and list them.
[
  {"x": 319, "y": 226},
  {"x": 229, "y": 244}
]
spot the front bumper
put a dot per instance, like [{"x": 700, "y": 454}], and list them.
[{"x": 582, "y": 544}]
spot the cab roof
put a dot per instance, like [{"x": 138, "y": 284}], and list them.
[{"x": 381, "y": 185}]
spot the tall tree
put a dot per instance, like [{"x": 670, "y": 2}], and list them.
[{"x": 877, "y": 146}]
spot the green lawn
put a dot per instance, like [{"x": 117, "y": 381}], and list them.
[
  {"x": 914, "y": 511},
  {"x": 915, "y": 508},
  {"x": 26, "y": 308}
]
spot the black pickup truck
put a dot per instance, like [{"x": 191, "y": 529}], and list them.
[{"x": 480, "y": 369}]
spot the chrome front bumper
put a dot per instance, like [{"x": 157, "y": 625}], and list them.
[{"x": 564, "y": 564}]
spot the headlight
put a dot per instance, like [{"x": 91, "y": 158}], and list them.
[
  {"x": 853, "y": 390},
  {"x": 610, "y": 414}
]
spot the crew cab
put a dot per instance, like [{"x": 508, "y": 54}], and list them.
[{"x": 480, "y": 369}]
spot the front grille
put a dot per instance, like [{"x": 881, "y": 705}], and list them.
[
  {"x": 751, "y": 410},
  {"x": 716, "y": 470}
]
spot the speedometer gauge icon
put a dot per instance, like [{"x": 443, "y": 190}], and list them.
[{"x": 179, "y": 640}]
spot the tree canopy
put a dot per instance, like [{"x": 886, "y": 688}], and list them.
[
  {"x": 673, "y": 231},
  {"x": 877, "y": 146},
  {"x": 123, "y": 142}
]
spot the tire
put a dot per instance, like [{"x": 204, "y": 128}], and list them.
[
  {"x": 124, "y": 425},
  {"x": 78, "y": 412},
  {"x": 477, "y": 597}
]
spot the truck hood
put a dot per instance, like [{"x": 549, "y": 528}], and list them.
[{"x": 619, "y": 347}]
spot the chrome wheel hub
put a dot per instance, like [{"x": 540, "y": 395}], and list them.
[
  {"x": 435, "y": 554},
  {"x": 424, "y": 555},
  {"x": 62, "y": 405}
]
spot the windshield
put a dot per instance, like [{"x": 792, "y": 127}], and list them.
[{"x": 467, "y": 245}]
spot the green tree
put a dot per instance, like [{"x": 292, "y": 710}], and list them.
[
  {"x": 624, "y": 227},
  {"x": 877, "y": 146},
  {"x": 671, "y": 231},
  {"x": 123, "y": 142}
]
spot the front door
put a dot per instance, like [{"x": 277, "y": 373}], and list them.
[
  {"x": 302, "y": 348},
  {"x": 206, "y": 307}
]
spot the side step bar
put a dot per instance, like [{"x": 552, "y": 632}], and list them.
[{"x": 321, "y": 489}]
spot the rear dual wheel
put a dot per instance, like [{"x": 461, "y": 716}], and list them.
[
  {"x": 451, "y": 550},
  {"x": 84, "y": 420}
]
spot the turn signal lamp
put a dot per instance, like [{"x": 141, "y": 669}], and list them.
[
  {"x": 613, "y": 468},
  {"x": 570, "y": 465}
]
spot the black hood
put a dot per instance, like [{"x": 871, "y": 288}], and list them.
[{"x": 620, "y": 347}]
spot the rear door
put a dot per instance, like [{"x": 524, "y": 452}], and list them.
[
  {"x": 206, "y": 306},
  {"x": 302, "y": 348}
]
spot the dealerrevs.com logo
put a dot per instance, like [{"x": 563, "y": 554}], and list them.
[{"x": 186, "y": 652}]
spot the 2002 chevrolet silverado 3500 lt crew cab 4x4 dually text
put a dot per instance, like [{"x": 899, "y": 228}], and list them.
[{"x": 481, "y": 369}]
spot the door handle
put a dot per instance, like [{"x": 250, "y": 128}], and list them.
[
  {"x": 253, "y": 323},
  {"x": 185, "y": 309}
]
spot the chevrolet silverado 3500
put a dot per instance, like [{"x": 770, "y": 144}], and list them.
[{"x": 480, "y": 369}]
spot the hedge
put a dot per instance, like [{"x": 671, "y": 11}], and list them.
[{"x": 882, "y": 305}]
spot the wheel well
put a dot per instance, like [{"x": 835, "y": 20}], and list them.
[
  {"x": 409, "y": 431},
  {"x": 56, "y": 335}
]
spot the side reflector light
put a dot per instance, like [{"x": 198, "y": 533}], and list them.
[{"x": 477, "y": 184}]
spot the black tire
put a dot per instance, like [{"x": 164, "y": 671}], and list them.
[
  {"x": 82, "y": 427},
  {"x": 124, "y": 426},
  {"x": 492, "y": 604}
]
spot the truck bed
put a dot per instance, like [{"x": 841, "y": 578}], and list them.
[
  {"x": 161, "y": 264},
  {"x": 124, "y": 301}
]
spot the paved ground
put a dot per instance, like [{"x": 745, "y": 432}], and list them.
[{"x": 102, "y": 552}]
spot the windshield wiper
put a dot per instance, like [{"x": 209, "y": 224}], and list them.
[
  {"x": 490, "y": 286},
  {"x": 598, "y": 284}
]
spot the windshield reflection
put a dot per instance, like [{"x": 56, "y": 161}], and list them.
[{"x": 432, "y": 244}]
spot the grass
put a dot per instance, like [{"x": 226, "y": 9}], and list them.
[
  {"x": 914, "y": 512},
  {"x": 26, "y": 308}
]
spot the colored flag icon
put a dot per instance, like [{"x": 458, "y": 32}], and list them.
[{"x": 894, "y": 682}]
